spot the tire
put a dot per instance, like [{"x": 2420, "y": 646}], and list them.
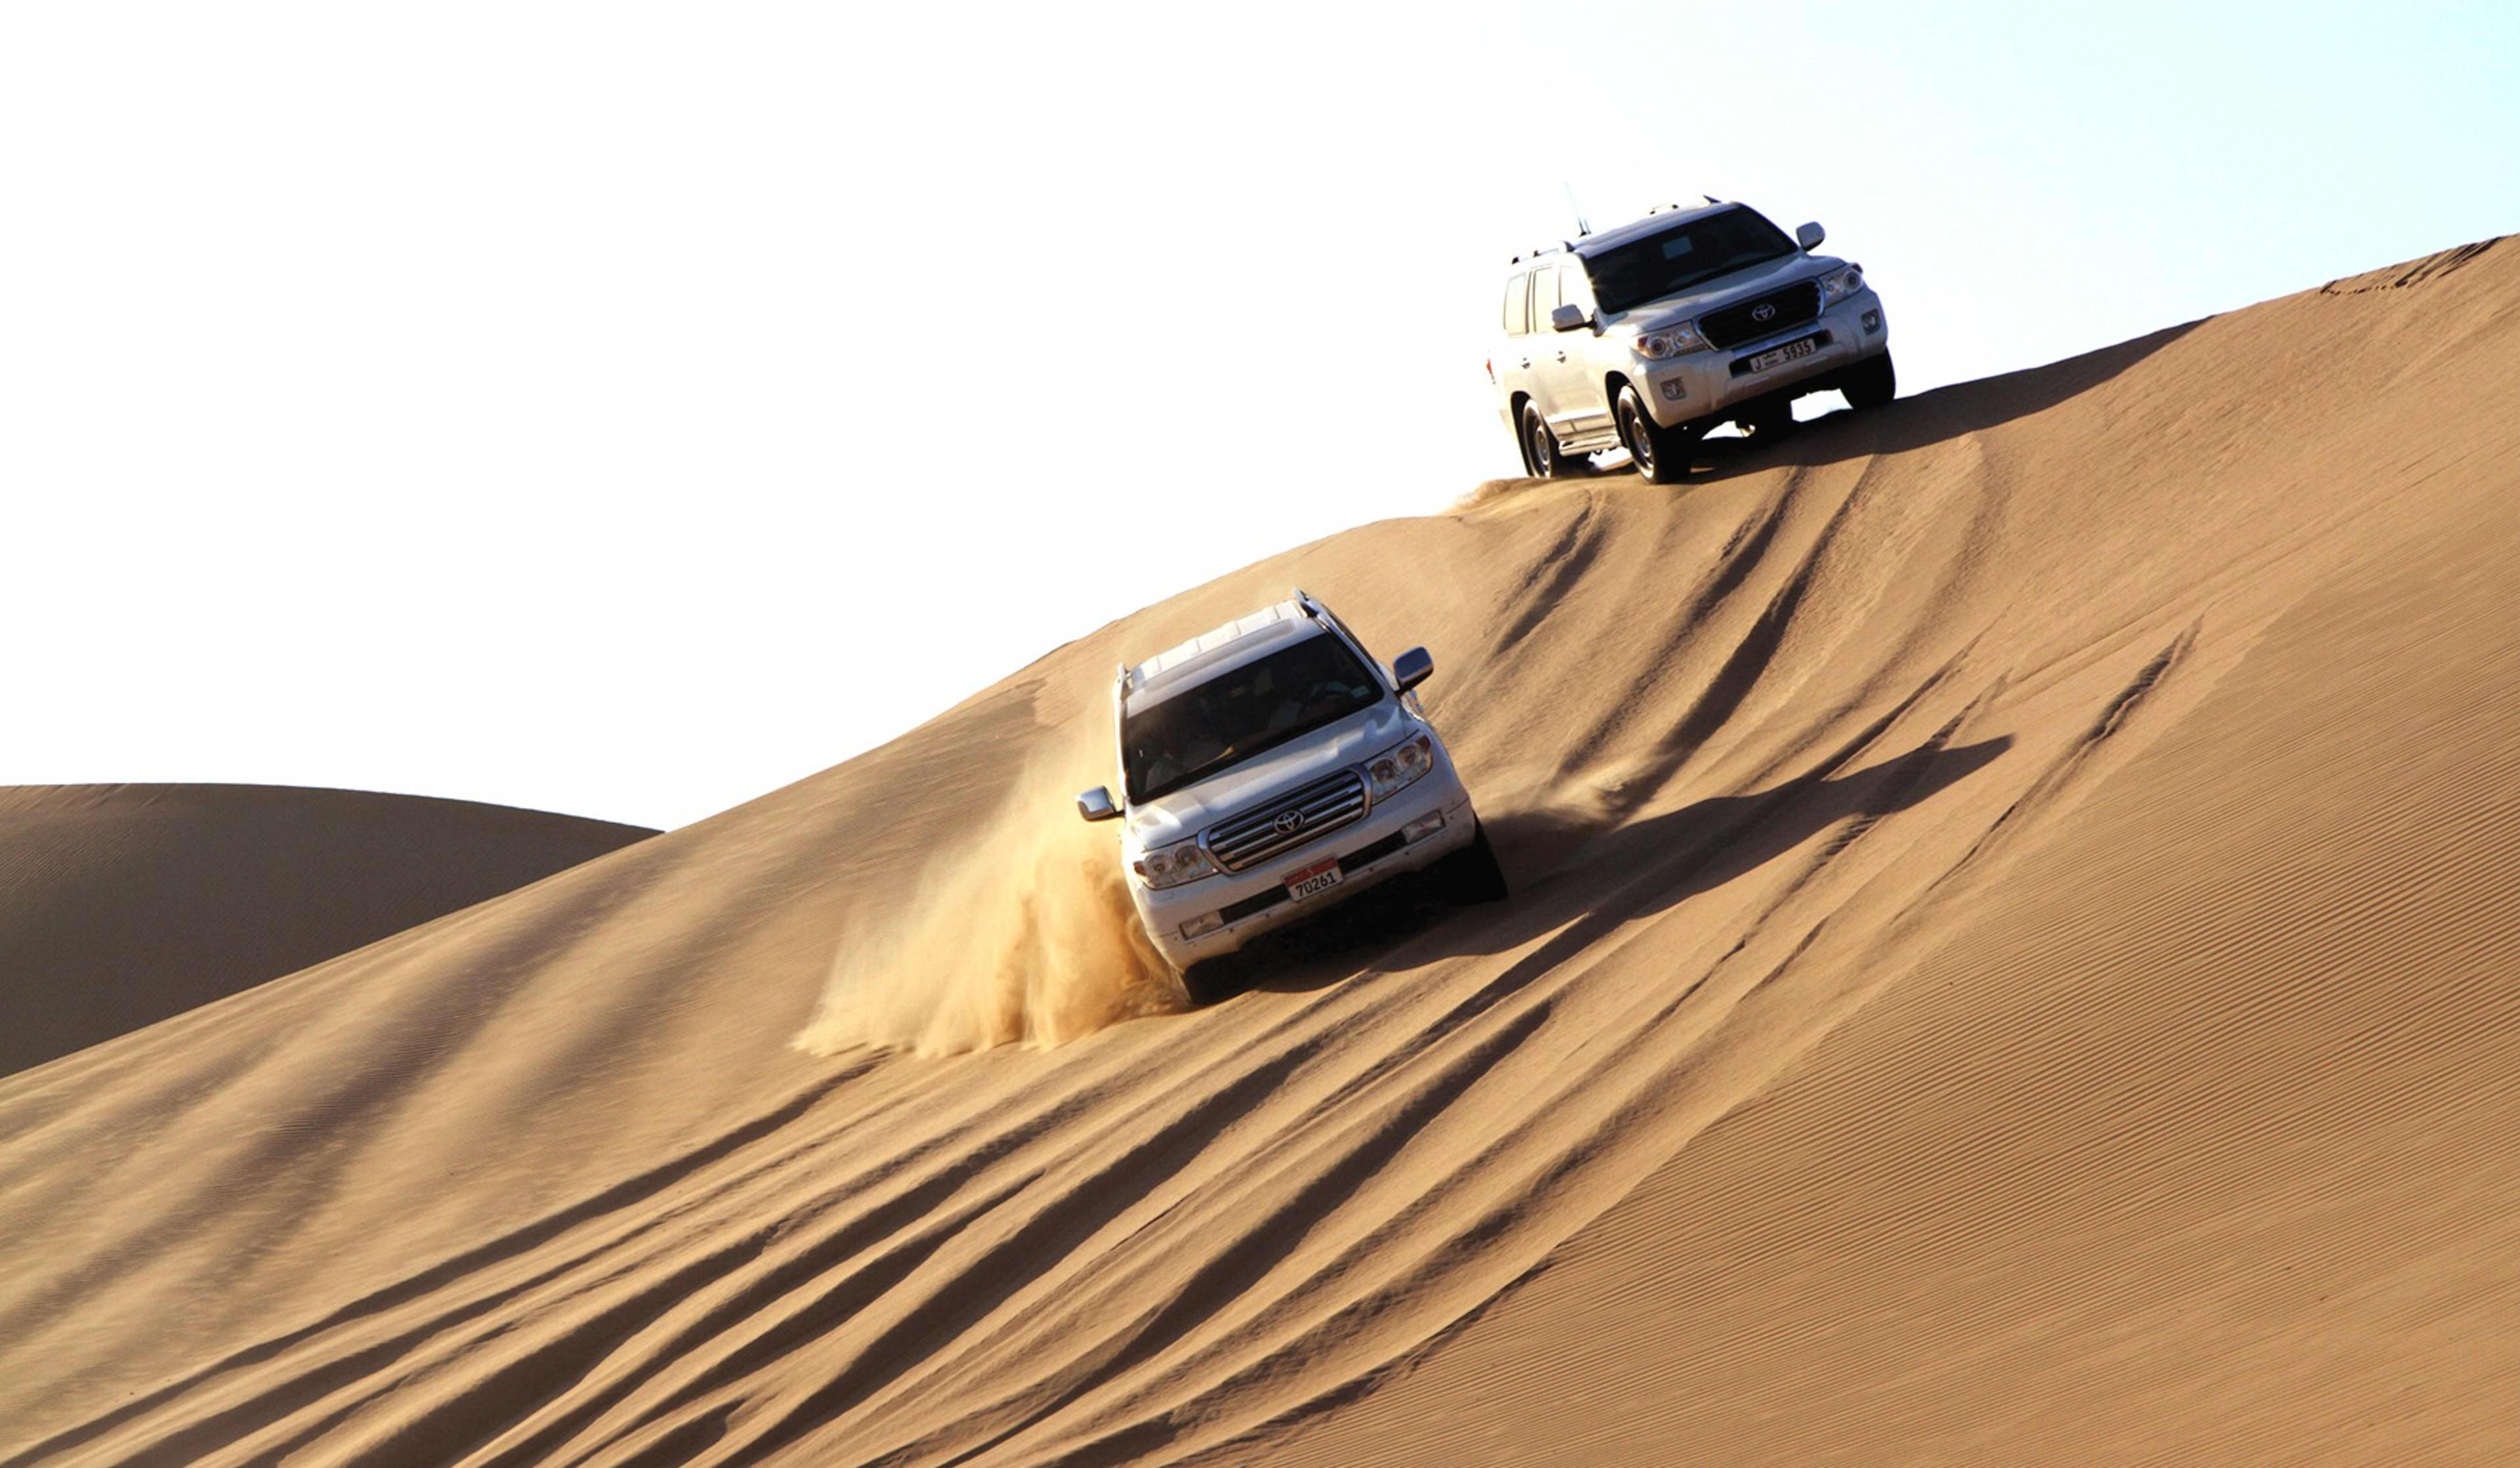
[
  {"x": 1199, "y": 982},
  {"x": 1471, "y": 875},
  {"x": 1540, "y": 453},
  {"x": 1660, "y": 454},
  {"x": 1212, "y": 979},
  {"x": 1869, "y": 383}
]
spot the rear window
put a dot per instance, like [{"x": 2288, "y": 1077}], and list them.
[
  {"x": 1517, "y": 294},
  {"x": 1231, "y": 717}
]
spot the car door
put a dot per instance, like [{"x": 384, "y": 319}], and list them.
[
  {"x": 1587, "y": 373},
  {"x": 1561, "y": 361}
]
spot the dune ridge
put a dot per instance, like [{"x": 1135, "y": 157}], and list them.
[
  {"x": 1992, "y": 876},
  {"x": 120, "y": 904}
]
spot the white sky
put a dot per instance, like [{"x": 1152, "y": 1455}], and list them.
[{"x": 628, "y": 409}]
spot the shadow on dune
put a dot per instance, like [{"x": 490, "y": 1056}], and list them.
[
  {"x": 1930, "y": 418},
  {"x": 1911, "y": 423},
  {"x": 1588, "y": 878}
]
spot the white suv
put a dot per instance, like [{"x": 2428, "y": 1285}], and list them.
[
  {"x": 1647, "y": 335},
  {"x": 1272, "y": 768}
]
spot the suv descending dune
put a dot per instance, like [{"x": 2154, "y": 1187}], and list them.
[
  {"x": 1647, "y": 335},
  {"x": 1270, "y": 769}
]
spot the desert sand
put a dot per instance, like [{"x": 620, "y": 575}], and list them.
[{"x": 2015, "y": 958}]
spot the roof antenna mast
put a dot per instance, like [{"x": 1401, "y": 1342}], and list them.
[{"x": 1582, "y": 226}]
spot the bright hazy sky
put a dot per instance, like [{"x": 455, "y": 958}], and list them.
[{"x": 628, "y": 409}]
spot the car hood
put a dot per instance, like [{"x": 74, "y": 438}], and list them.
[
  {"x": 1186, "y": 812},
  {"x": 1672, "y": 310}
]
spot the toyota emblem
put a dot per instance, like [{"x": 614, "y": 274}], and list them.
[
  {"x": 1763, "y": 312},
  {"x": 1288, "y": 821}
]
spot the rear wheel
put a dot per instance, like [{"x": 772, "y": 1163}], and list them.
[
  {"x": 1870, "y": 382},
  {"x": 1660, "y": 454},
  {"x": 1540, "y": 453}
]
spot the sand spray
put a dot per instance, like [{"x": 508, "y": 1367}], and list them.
[{"x": 1022, "y": 933}]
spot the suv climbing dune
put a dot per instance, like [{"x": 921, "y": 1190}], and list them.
[
  {"x": 1647, "y": 335},
  {"x": 1270, "y": 769}
]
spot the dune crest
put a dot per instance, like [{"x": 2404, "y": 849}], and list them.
[{"x": 120, "y": 904}]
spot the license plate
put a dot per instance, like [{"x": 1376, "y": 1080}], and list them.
[
  {"x": 1785, "y": 353},
  {"x": 1319, "y": 876}
]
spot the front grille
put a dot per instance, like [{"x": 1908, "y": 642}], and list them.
[
  {"x": 1788, "y": 308},
  {"x": 1316, "y": 810}
]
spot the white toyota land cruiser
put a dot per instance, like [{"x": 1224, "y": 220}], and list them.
[
  {"x": 1647, "y": 335},
  {"x": 1272, "y": 768}
]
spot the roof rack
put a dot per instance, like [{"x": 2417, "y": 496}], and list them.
[{"x": 1563, "y": 245}]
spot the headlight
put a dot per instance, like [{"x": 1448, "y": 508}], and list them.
[
  {"x": 1397, "y": 768},
  {"x": 1671, "y": 341},
  {"x": 1839, "y": 284},
  {"x": 1171, "y": 865}
]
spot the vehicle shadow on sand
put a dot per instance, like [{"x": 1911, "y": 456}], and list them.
[
  {"x": 1580, "y": 879},
  {"x": 1945, "y": 413},
  {"x": 1910, "y": 422}
]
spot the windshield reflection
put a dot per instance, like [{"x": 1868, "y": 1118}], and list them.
[
  {"x": 1668, "y": 263},
  {"x": 1251, "y": 709}
]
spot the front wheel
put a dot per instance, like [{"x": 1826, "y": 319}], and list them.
[
  {"x": 1870, "y": 382},
  {"x": 1660, "y": 454},
  {"x": 1471, "y": 874}
]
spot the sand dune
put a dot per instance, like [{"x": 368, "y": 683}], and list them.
[
  {"x": 2012, "y": 960},
  {"x": 121, "y": 905}
]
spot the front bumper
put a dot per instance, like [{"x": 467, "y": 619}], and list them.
[
  {"x": 1702, "y": 384},
  {"x": 1247, "y": 903}
]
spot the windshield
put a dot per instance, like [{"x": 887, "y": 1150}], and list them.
[
  {"x": 1669, "y": 263},
  {"x": 1237, "y": 715}
]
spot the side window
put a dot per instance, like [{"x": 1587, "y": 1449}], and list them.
[
  {"x": 1543, "y": 297},
  {"x": 1517, "y": 296},
  {"x": 1573, "y": 289}
]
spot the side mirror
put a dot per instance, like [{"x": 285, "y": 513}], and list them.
[
  {"x": 1096, "y": 805},
  {"x": 1413, "y": 667},
  {"x": 1810, "y": 236},
  {"x": 1567, "y": 318}
]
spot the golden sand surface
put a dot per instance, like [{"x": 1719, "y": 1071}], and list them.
[{"x": 2014, "y": 957}]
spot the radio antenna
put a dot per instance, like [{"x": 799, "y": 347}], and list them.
[{"x": 1582, "y": 226}]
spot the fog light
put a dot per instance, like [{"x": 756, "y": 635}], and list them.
[
  {"x": 1871, "y": 321},
  {"x": 1204, "y": 923},
  {"x": 1420, "y": 829},
  {"x": 1674, "y": 389}
]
